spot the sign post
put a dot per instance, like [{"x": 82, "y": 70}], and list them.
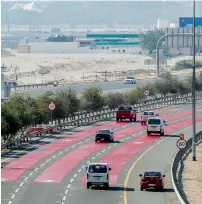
[
  {"x": 181, "y": 144},
  {"x": 51, "y": 106}
]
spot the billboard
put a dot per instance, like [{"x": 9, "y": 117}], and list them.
[{"x": 184, "y": 21}]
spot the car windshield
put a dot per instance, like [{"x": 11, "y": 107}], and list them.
[
  {"x": 98, "y": 168},
  {"x": 145, "y": 113},
  {"x": 154, "y": 174},
  {"x": 125, "y": 108},
  {"x": 154, "y": 122},
  {"x": 103, "y": 131},
  {"x": 130, "y": 77}
]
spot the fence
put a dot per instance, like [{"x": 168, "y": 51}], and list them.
[
  {"x": 81, "y": 118},
  {"x": 178, "y": 166}
]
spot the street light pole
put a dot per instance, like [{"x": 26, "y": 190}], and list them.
[{"x": 193, "y": 86}]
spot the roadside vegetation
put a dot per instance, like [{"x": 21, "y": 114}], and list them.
[
  {"x": 23, "y": 111},
  {"x": 186, "y": 64}
]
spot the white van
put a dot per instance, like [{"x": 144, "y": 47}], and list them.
[
  {"x": 155, "y": 125},
  {"x": 98, "y": 174}
]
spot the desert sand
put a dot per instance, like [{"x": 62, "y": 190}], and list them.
[
  {"x": 192, "y": 177},
  {"x": 73, "y": 68}
]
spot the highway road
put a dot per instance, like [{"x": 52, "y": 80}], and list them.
[
  {"x": 106, "y": 86},
  {"x": 53, "y": 171}
]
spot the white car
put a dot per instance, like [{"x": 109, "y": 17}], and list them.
[
  {"x": 130, "y": 80},
  {"x": 156, "y": 125},
  {"x": 98, "y": 175},
  {"x": 146, "y": 115}
]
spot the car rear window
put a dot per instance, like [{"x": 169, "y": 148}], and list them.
[
  {"x": 151, "y": 113},
  {"x": 125, "y": 108},
  {"x": 146, "y": 174},
  {"x": 154, "y": 122},
  {"x": 103, "y": 132},
  {"x": 98, "y": 168}
]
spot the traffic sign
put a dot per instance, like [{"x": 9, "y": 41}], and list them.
[
  {"x": 182, "y": 136},
  {"x": 181, "y": 144},
  {"x": 51, "y": 106},
  {"x": 146, "y": 93}
]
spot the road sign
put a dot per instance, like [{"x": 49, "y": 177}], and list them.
[
  {"x": 146, "y": 93},
  {"x": 51, "y": 106},
  {"x": 181, "y": 144},
  {"x": 182, "y": 136}
]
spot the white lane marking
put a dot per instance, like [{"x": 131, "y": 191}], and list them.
[
  {"x": 8, "y": 202},
  {"x": 36, "y": 169},
  {"x": 93, "y": 158},
  {"x": 80, "y": 143},
  {"x": 17, "y": 190},
  {"x": 13, "y": 196},
  {"x": 21, "y": 184},
  {"x": 71, "y": 180},
  {"x": 68, "y": 185},
  {"x": 48, "y": 160},
  {"x": 79, "y": 170},
  {"x": 73, "y": 145},
  {"x": 109, "y": 147},
  {"x": 83, "y": 167},
  {"x": 64, "y": 197},
  {"x": 66, "y": 191},
  {"x": 53, "y": 157},
  {"x": 88, "y": 162},
  {"x": 41, "y": 164},
  {"x": 26, "y": 178},
  {"x": 103, "y": 150},
  {"x": 31, "y": 173},
  {"x": 75, "y": 175},
  {"x": 98, "y": 154}
]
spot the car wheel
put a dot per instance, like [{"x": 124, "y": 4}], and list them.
[
  {"x": 141, "y": 189},
  {"x": 117, "y": 119},
  {"x": 142, "y": 122},
  {"x": 161, "y": 189},
  {"x": 106, "y": 186},
  {"x": 88, "y": 185},
  {"x": 95, "y": 140},
  {"x": 162, "y": 133},
  {"x": 131, "y": 120},
  {"x": 148, "y": 133},
  {"x": 135, "y": 119}
]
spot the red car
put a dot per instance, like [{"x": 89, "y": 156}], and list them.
[
  {"x": 126, "y": 112},
  {"x": 152, "y": 180}
]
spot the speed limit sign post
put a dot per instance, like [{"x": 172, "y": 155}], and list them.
[
  {"x": 181, "y": 144},
  {"x": 51, "y": 106}
]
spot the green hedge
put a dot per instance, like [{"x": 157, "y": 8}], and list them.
[
  {"x": 186, "y": 64},
  {"x": 23, "y": 111}
]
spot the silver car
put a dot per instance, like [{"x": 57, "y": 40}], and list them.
[
  {"x": 146, "y": 115},
  {"x": 130, "y": 80}
]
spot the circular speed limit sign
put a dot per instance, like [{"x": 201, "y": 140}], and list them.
[
  {"x": 181, "y": 144},
  {"x": 51, "y": 106}
]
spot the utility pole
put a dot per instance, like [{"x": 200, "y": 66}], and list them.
[{"x": 193, "y": 85}]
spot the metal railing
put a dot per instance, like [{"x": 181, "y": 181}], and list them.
[
  {"x": 178, "y": 166},
  {"x": 82, "y": 118}
]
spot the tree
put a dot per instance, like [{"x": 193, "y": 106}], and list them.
[
  {"x": 92, "y": 99},
  {"x": 114, "y": 99},
  {"x": 149, "y": 39}
]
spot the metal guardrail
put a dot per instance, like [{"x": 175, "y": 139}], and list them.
[
  {"x": 88, "y": 117},
  {"x": 178, "y": 166}
]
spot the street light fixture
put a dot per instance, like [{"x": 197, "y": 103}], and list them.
[{"x": 193, "y": 85}]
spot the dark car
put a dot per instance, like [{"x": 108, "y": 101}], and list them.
[
  {"x": 104, "y": 135},
  {"x": 152, "y": 180}
]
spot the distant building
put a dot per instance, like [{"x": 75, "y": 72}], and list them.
[{"x": 162, "y": 23}]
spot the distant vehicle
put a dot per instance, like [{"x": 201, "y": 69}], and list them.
[
  {"x": 126, "y": 112},
  {"x": 104, "y": 135},
  {"x": 130, "y": 80},
  {"x": 152, "y": 180},
  {"x": 146, "y": 115},
  {"x": 156, "y": 125},
  {"x": 98, "y": 175}
]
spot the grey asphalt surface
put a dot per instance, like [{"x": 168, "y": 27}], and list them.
[
  {"x": 80, "y": 87},
  {"x": 32, "y": 193}
]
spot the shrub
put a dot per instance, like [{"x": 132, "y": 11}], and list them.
[{"x": 186, "y": 64}]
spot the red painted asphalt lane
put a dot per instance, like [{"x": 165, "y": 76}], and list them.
[
  {"x": 17, "y": 167},
  {"x": 65, "y": 164},
  {"x": 120, "y": 156}
]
